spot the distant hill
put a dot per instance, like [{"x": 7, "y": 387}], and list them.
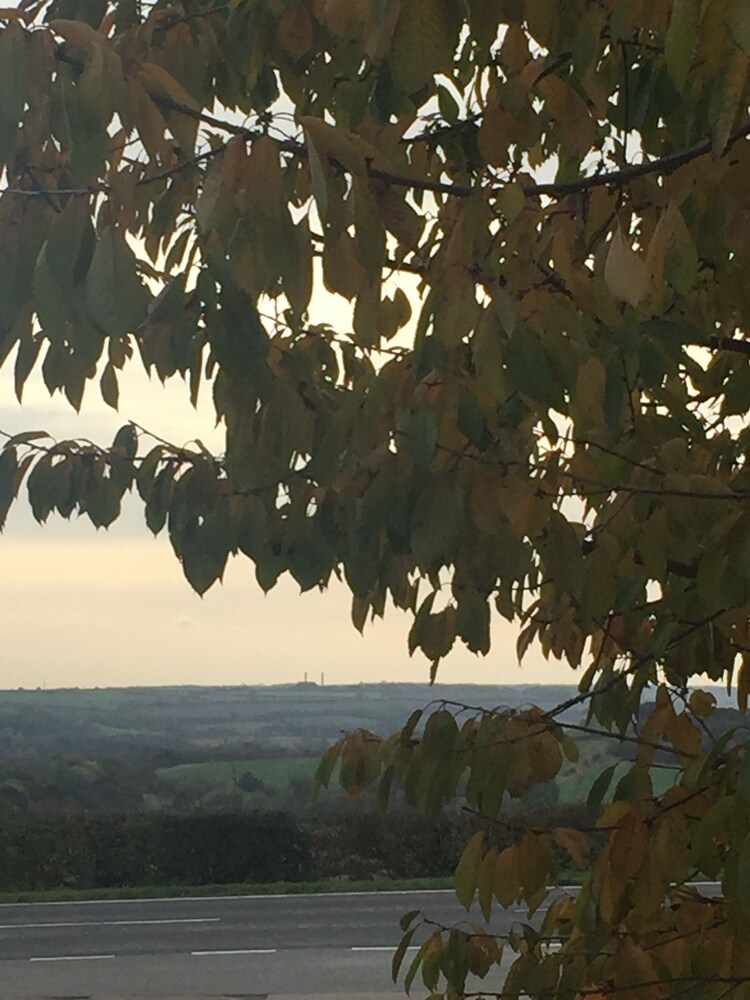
[{"x": 285, "y": 718}]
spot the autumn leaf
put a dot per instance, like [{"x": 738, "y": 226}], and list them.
[{"x": 625, "y": 273}]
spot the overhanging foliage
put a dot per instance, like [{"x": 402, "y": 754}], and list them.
[{"x": 538, "y": 210}]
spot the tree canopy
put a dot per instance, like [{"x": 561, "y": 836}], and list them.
[{"x": 538, "y": 215}]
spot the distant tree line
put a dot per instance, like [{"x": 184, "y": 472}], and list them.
[
  {"x": 51, "y": 850},
  {"x": 95, "y": 850}
]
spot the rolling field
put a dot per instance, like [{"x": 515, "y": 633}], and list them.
[{"x": 275, "y": 772}]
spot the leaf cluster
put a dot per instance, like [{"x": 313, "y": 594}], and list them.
[{"x": 533, "y": 215}]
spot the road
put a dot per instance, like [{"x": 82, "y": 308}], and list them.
[{"x": 241, "y": 947}]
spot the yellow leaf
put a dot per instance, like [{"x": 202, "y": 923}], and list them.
[
  {"x": 625, "y": 274},
  {"x": 613, "y": 814},
  {"x": 344, "y": 18},
  {"x": 535, "y": 862},
  {"x": 656, "y": 256},
  {"x": 333, "y": 143},
  {"x": 495, "y": 135},
  {"x": 164, "y": 90},
  {"x": 573, "y": 120},
  {"x": 77, "y": 33},
  {"x": 570, "y": 748},
  {"x": 629, "y": 845},
  {"x": 233, "y": 166},
  {"x": 545, "y": 757},
  {"x": 342, "y": 272},
  {"x": 399, "y": 217},
  {"x": 159, "y": 83},
  {"x": 507, "y": 877},
  {"x": 575, "y": 843},
  {"x": 486, "y": 882},
  {"x": 702, "y": 703},
  {"x": 467, "y": 872}
]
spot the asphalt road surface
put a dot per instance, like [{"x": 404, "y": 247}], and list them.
[
  {"x": 243, "y": 947},
  {"x": 247, "y": 947}
]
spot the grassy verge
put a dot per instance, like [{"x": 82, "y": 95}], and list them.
[
  {"x": 241, "y": 889},
  {"x": 332, "y": 885}
]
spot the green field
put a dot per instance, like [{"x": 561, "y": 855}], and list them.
[
  {"x": 275, "y": 772},
  {"x": 597, "y": 754}
]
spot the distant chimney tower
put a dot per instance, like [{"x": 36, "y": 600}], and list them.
[
  {"x": 305, "y": 677},
  {"x": 322, "y": 679}
]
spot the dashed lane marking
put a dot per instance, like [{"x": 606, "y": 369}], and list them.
[
  {"x": 71, "y": 958},
  {"x": 236, "y": 951},
  {"x": 109, "y": 923}
]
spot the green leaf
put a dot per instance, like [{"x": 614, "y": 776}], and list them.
[
  {"x": 738, "y": 22},
  {"x": 147, "y": 472},
  {"x": 423, "y": 44},
  {"x": 384, "y": 788},
  {"x": 157, "y": 505},
  {"x": 318, "y": 177},
  {"x": 117, "y": 301},
  {"x": 511, "y": 200},
  {"x": 408, "y": 918},
  {"x": 600, "y": 787},
  {"x": 467, "y": 872},
  {"x": 28, "y": 352},
  {"x": 421, "y": 433},
  {"x": 311, "y": 559},
  {"x": 681, "y": 39},
  {"x": 473, "y": 620},
  {"x": 126, "y": 441},
  {"x": 420, "y": 623},
  {"x": 8, "y": 469},
  {"x": 440, "y": 735},
  {"x": 402, "y": 948},
  {"x": 413, "y": 970},
  {"x": 40, "y": 487},
  {"x": 326, "y": 768},
  {"x": 102, "y": 500},
  {"x": 727, "y": 97},
  {"x": 26, "y": 437},
  {"x": 204, "y": 549},
  {"x": 406, "y": 734},
  {"x": 681, "y": 264},
  {"x": 529, "y": 367},
  {"x": 87, "y": 132},
  {"x": 13, "y": 77},
  {"x": 436, "y": 523},
  {"x": 109, "y": 387}
]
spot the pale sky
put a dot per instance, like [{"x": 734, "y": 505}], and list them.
[
  {"x": 81, "y": 607},
  {"x": 112, "y": 608}
]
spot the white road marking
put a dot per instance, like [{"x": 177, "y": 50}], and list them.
[
  {"x": 71, "y": 958},
  {"x": 387, "y": 947},
  {"x": 111, "y": 923},
  {"x": 551, "y": 947},
  {"x": 259, "y": 895},
  {"x": 236, "y": 951}
]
